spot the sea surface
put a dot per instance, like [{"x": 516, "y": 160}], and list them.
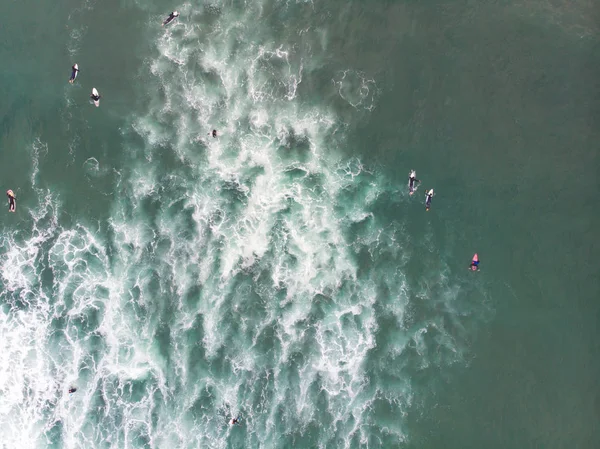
[{"x": 280, "y": 272}]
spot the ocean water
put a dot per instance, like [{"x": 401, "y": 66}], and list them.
[{"x": 281, "y": 272}]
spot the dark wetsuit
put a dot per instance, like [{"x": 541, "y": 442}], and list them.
[
  {"x": 214, "y": 133},
  {"x": 73, "y": 73},
  {"x": 411, "y": 183},
  {"x": 95, "y": 97},
  {"x": 11, "y": 202},
  {"x": 72, "y": 390},
  {"x": 170, "y": 18}
]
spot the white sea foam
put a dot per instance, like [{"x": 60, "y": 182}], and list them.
[
  {"x": 44, "y": 357},
  {"x": 357, "y": 89},
  {"x": 253, "y": 198}
]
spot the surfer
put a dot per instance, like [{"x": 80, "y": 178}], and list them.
[
  {"x": 235, "y": 420},
  {"x": 474, "y": 263},
  {"x": 172, "y": 16},
  {"x": 12, "y": 200},
  {"x": 411, "y": 182},
  {"x": 214, "y": 133},
  {"x": 428, "y": 199},
  {"x": 72, "y": 390},
  {"x": 74, "y": 71},
  {"x": 95, "y": 96}
]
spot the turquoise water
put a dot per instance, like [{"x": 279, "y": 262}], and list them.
[{"x": 281, "y": 272}]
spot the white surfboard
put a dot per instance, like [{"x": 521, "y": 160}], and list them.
[{"x": 95, "y": 93}]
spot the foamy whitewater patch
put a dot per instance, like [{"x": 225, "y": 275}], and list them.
[
  {"x": 358, "y": 90},
  {"x": 263, "y": 210},
  {"x": 67, "y": 321}
]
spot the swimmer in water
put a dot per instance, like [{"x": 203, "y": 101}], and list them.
[
  {"x": 72, "y": 390},
  {"x": 474, "y": 263},
  {"x": 428, "y": 199},
  {"x": 411, "y": 182},
  {"x": 12, "y": 200}
]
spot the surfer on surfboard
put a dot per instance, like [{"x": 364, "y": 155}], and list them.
[
  {"x": 95, "y": 97},
  {"x": 411, "y": 182},
  {"x": 74, "y": 72},
  {"x": 474, "y": 263},
  {"x": 235, "y": 420},
  {"x": 172, "y": 16},
  {"x": 428, "y": 199},
  {"x": 12, "y": 200}
]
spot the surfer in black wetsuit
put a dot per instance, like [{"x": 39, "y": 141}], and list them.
[
  {"x": 12, "y": 200},
  {"x": 172, "y": 16},
  {"x": 72, "y": 390},
  {"x": 428, "y": 199},
  {"x": 411, "y": 182},
  {"x": 235, "y": 420},
  {"x": 95, "y": 97},
  {"x": 73, "y": 73},
  {"x": 214, "y": 133}
]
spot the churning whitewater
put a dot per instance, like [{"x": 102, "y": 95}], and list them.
[{"x": 253, "y": 274}]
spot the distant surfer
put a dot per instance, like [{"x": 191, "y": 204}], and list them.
[
  {"x": 74, "y": 72},
  {"x": 235, "y": 421},
  {"x": 412, "y": 179},
  {"x": 12, "y": 200},
  {"x": 95, "y": 97},
  {"x": 72, "y": 390},
  {"x": 171, "y": 17},
  {"x": 214, "y": 133},
  {"x": 474, "y": 263},
  {"x": 428, "y": 199}
]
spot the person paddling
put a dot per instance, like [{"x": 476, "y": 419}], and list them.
[
  {"x": 12, "y": 200},
  {"x": 474, "y": 263},
  {"x": 171, "y": 17},
  {"x": 74, "y": 72},
  {"x": 428, "y": 199},
  {"x": 412, "y": 179}
]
